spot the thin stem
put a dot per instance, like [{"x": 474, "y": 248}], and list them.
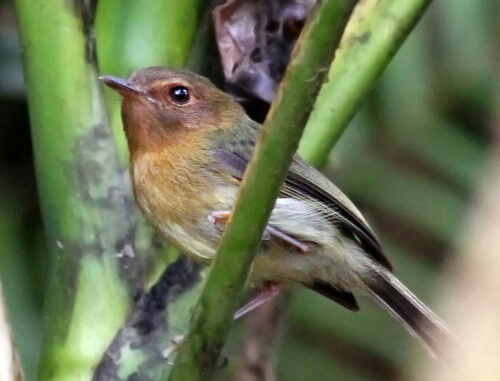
[
  {"x": 273, "y": 154},
  {"x": 375, "y": 32}
]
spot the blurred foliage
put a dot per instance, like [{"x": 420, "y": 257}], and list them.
[{"x": 410, "y": 160}]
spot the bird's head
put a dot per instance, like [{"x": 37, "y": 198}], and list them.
[{"x": 163, "y": 107}]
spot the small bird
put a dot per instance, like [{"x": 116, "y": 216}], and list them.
[{"x": 190, "y": 144}]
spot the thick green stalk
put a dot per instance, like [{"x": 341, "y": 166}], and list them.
[
  {"x": 158, "y": 317},
  {"x": 279, "y": 139},
  {"x": 375, "y": 32},
  {"x": 84, "y": 193}
]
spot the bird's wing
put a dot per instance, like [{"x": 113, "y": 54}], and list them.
[{"x": 305, "y": 183}]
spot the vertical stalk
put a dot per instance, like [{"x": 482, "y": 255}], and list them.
[
  {"x": 84, "y": 196},
  {"x": 267, "y": 169},
  {"x": 374, "y": 34}
]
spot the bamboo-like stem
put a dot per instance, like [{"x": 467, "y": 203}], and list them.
[
  {"x": 10, "y": 366},
  {"x": 328, "y": 121},
  {"x": 86, "y": 215},
  {"x": 100, "y": 259},
  {"x": 267, "y": 169},
  {"x": 374, "y": 34},
  {"x": 157, "y": 318},
  {"x": 333, "y": 124}
]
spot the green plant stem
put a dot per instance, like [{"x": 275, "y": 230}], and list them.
[
  {"x": 268, "y": 167},
  {"x": 375, "y": 32},
  {"x": 80, "y": 183},
  {"x": 99, "y": 255},
  {"x": 159, "y": 316}
]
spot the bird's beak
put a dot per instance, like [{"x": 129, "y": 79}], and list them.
[{"x": 122, "y": 86}]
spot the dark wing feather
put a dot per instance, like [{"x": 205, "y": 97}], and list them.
[
  {"x": 309, "y": 182},
  {"x": 230, "y": 163},
  {"x": 233, "y": 153},
  {"x": 344, "y": 298}
]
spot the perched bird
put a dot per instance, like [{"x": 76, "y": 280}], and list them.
[{"x": 190, "y": 144}]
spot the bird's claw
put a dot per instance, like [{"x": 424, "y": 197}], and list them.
[
  {"x": 177, "y": 342},
  {"x": 264, "y": 295},
  {"x": 176, "y": 346},
  {"x": 219, "y": 218}
]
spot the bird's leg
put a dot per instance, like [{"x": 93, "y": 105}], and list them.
[
  {"x": 221, "y": 218},
  {"x": 304, "y": 247},
  {"x": 266, "y": 294},
  {"x": 177, "y": 342}
]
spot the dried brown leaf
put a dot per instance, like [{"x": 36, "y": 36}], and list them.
[{"x": 255, "y": 39}]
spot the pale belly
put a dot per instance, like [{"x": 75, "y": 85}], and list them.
[{"x": 333, "y": 260}]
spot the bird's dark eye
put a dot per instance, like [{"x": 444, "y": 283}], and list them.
[{"x": 179, "y": 94}]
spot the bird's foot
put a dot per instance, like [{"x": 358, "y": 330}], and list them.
[
  {"x": 304, "y": 247},
  {"x": 177, "y": 342},
  {"x": 222, "y": 217},
  {"x": 264, "y": 295},
  {"x": 219, "y": 218},
  {"x": 176, "y": 346}
]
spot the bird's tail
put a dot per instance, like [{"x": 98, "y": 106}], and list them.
[{"x": 415, "y": 316}]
